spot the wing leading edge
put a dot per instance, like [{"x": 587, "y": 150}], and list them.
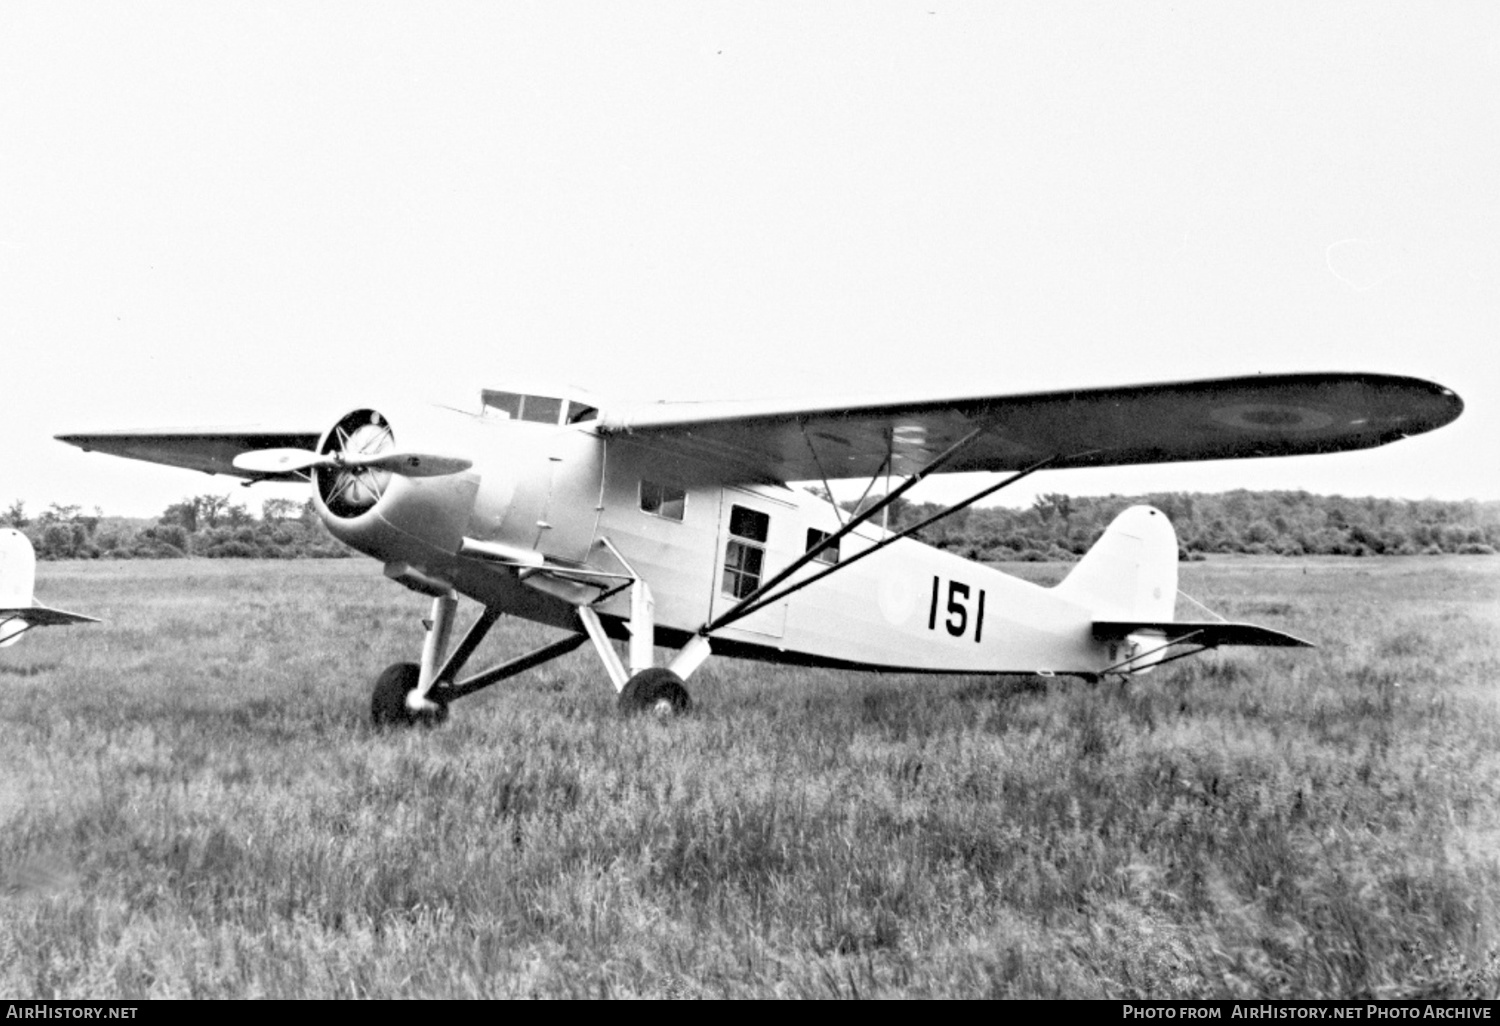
[{"x": 1225, "y": 418}]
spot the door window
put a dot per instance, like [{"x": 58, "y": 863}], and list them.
[{"x": 745, "y": 556}]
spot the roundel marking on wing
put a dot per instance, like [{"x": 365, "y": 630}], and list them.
[
  {"x": 896, "y": 599},
  {"x": 1283, "y": 417}
]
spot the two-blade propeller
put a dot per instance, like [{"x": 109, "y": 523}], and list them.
[
  {"x": 356, "y": 466},
  {"x": 407, "y": 464}
]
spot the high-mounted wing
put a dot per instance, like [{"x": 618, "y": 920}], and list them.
[
  {"x": 209, "y": 450},
  {"x": 1226, "y": 418}
]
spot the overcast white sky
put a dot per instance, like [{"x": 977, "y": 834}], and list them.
[{"x": 221, "y": 214}]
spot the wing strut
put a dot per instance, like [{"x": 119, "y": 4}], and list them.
[
  {"x": 752, "y": 601},
  {"x": 824, "y": 474},
  {"x": 14, "y": 635},
  {"x": 764, "y": 596}
]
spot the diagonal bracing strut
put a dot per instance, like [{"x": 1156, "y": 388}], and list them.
[{"x": 765, "y": 594}]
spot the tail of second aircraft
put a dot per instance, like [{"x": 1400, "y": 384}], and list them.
[{"x": 19, "y": 611}]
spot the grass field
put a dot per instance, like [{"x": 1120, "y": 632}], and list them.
[{"x": 193, "y": 806}]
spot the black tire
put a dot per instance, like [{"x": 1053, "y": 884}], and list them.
[
  {"x": 658, "y": 691},
  {"x": 388, "y": 706}
]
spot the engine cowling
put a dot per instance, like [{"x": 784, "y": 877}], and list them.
[{"x": 395, "y": 509}]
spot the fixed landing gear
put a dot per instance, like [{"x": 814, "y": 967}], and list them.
[
  {"x": 420, "y": 693},
  {"x": 643, "y": 687},
  {"x": 389, "y": 706},
  {"x": 657, "y": 691}
]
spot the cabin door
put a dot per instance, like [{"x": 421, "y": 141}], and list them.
[{"x": 748, "y": 526}]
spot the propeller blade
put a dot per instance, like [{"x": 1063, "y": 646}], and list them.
[
  {"x": 281, "y": 461},
  {"x": 409, "y": 464}
]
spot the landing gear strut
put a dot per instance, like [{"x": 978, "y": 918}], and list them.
[
  {"x": 411, "y": 693},
  {"x": 644, "y": 687}
]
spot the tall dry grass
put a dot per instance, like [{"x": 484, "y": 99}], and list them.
[{"x": 193, "y": 806}]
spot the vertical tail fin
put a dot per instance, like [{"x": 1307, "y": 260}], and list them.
[
  {"x": 19, "y": 611},
  {"x": 17, "y": 575},
  {"x": 17, "y": 568},
  {"x": 1131, "y": 572}
]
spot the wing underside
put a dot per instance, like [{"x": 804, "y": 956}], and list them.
[
  {"x": 210, "y": 450},
  {"x": 1230, "y": 418}
]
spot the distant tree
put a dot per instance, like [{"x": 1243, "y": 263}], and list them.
[
  {"x": 182, "y": 514},
  {"x": 1259, "y": 532},
  {"x": 199, "y": 512},
  {"x": 16, "y": 516},
  {"x": 56, "y": 542},
  {"x": 165, "y": 541},
  {"x": 56, "y": 514},
  {"x": 1054, "y": 503},
  {"x": 235, "y": 515},
  {"x": 211, "y": 509},
  {"x": 279, "y": 509}
]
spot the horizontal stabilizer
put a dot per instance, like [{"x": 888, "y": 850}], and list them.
[
  {"x": 42, "y": 616},
  {"x": 1208, "y": 633}
]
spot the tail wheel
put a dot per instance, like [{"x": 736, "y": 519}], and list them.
[
  {"x": 657, "y": 691},
  {"x": 388, "y": 706}
]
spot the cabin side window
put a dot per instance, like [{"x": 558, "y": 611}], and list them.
[
  {"x": 665, "y": 501},
  {"x": 745, "y": 557},
  {"x": 815, "y": 538}
]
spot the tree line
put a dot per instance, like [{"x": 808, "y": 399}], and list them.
[
  {"x": 1288, "y": 523},
  {"x": 1055, "y": 527},
  {"x": 205, "y": 525}
]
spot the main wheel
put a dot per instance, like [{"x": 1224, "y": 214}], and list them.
[
  {"x": 658, "y": 691},
  {"x": 388, "y": 706}
]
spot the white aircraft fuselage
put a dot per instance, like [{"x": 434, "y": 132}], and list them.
[{"x": 564, "y": 492}]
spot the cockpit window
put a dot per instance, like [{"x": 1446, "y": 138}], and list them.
[
  {"x": 540, "y": 409},
  {"x": 500, "y": 404}
]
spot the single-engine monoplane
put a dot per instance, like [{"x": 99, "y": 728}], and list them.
[
  {"x": 674, "y": 524},
  {"x": 19, "y": 610}
]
